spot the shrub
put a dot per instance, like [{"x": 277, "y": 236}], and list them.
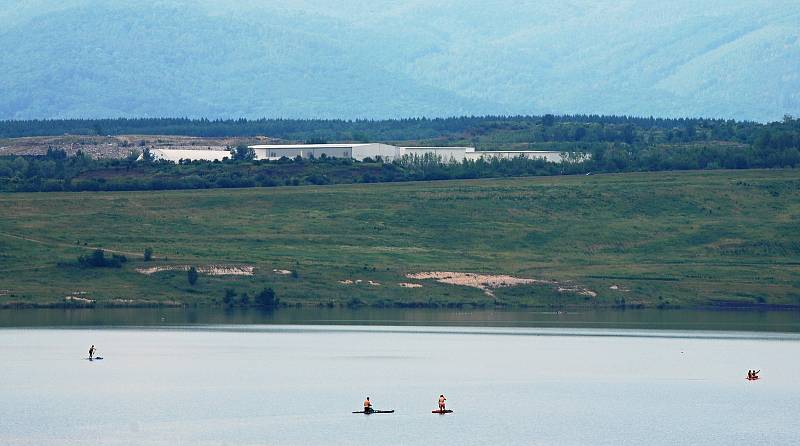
[
  {"x": 355, "y": 303},
  {"x": 267, "y": 299},
  {"x": 97, "y": 259},
  {"x": 243, "y": 153},
  {"x": 230, "y": 297},
  {"x": 191, "y": 276}
]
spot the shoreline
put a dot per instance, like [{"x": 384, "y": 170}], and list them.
[
  {"x": 488, "y": 306},
  {"x": 708, "y": 320}
]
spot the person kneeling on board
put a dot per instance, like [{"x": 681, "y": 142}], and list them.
[
  {"x": 367, "y": 405},
  {"x": 442, "y": 400}
]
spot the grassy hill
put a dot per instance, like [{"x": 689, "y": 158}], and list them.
[{"x": 650, "y": 239}]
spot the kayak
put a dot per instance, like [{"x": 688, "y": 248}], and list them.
[
  {"x": 753, "y": 379},
  {"x": 374, "y": 411},
  {"x": 442, "y": 411}
]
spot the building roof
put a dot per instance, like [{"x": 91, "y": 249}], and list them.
[
  {"x": 464, "y": 148},
  {"x": 307, "y": 146},
  {"x": 520, "y": 151}
]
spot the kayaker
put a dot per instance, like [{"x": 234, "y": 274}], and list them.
[
  {"x": 367, "y": 405},
  {"x": 442, "y": 400},
  {"x": 91, "y": 352}
]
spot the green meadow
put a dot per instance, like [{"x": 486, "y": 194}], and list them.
[{"x": 667, "y": 239}]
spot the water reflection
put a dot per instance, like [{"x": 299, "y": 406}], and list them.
[{"x": 777, "y": 321}]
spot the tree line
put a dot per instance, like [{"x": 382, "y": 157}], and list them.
[
  {"x": 775, "y": 145},
  {"x": 528, "y": 128}
]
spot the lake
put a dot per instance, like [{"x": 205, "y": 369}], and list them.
[{"x": 511, "y": 378}]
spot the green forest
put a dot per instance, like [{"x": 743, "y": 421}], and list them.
[{"x": 611, "y": 144}]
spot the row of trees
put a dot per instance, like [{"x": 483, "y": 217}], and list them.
[
  {"x": 232, "y": 174},
  {"x": 535, "y": 128},
  {"x": 773, "y": 146}
]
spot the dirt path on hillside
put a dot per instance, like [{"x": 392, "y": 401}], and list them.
[{"x": 68, "y": 245}]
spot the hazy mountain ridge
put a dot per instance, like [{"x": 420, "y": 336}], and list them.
[{"x": 377, "y": 59}]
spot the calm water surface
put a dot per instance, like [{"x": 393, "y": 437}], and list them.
[
  {"x": 296, "y": 384},
  {"x": 781, "y": 321}
]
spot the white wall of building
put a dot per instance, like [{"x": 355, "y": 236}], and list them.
[
  {"x": 385, "y": 151},
  {"x": 176, "y": 155},
  {"x": 446, "y": 154},
  {"x": 358, "y": 151},
  {"x": 553, "y": 157},
  {"x": 277, "y": 152}
]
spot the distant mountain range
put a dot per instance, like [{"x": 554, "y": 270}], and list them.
[{"x": 377, "y": 59}]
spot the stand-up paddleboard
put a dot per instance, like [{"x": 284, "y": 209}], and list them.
[
  {"x": 442, "y": 411},
  {"x": 95, "y": 359},
  {"x": 374, "y": 411}
]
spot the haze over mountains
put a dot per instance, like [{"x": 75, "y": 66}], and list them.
[{"x": 376, "y": 59}]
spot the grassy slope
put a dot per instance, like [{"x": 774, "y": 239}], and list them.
[{"x": 685, "y": 238}]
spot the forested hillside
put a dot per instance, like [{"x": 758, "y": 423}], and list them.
[{"x": 377, "y": 59}]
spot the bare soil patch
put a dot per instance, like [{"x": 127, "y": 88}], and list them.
[
  {"x": 489, "y": 282},
  {"x": 120, "y": 146},
  {"x": 358, "y": 281},
  {"x": 79, "y": 300},
  {"x": 209, "y": 270},
  {"x": 484, "y": 282},
  {"x": 409, "y": 285}
]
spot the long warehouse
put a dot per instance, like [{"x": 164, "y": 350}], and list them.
[{"x": 356, "y": 151}]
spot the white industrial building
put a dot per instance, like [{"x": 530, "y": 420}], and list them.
[
  {"x": 387, "y": 152},
  {"x": 176, "y": 155},
  {"x": 357, "y": 151},
  {"x": 445, "y": 154}
]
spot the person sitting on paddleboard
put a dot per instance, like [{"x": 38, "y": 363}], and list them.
[
  {"x": 442, "y": 399},
  {"x": 91, "y": 352},
  {"x": 367, "y": 405}
]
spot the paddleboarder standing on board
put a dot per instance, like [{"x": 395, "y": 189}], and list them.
[
  {"x": 91, "y": 352},
  {"x": 442, "y": 400},
  {"x": 367, "y": 405}
]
